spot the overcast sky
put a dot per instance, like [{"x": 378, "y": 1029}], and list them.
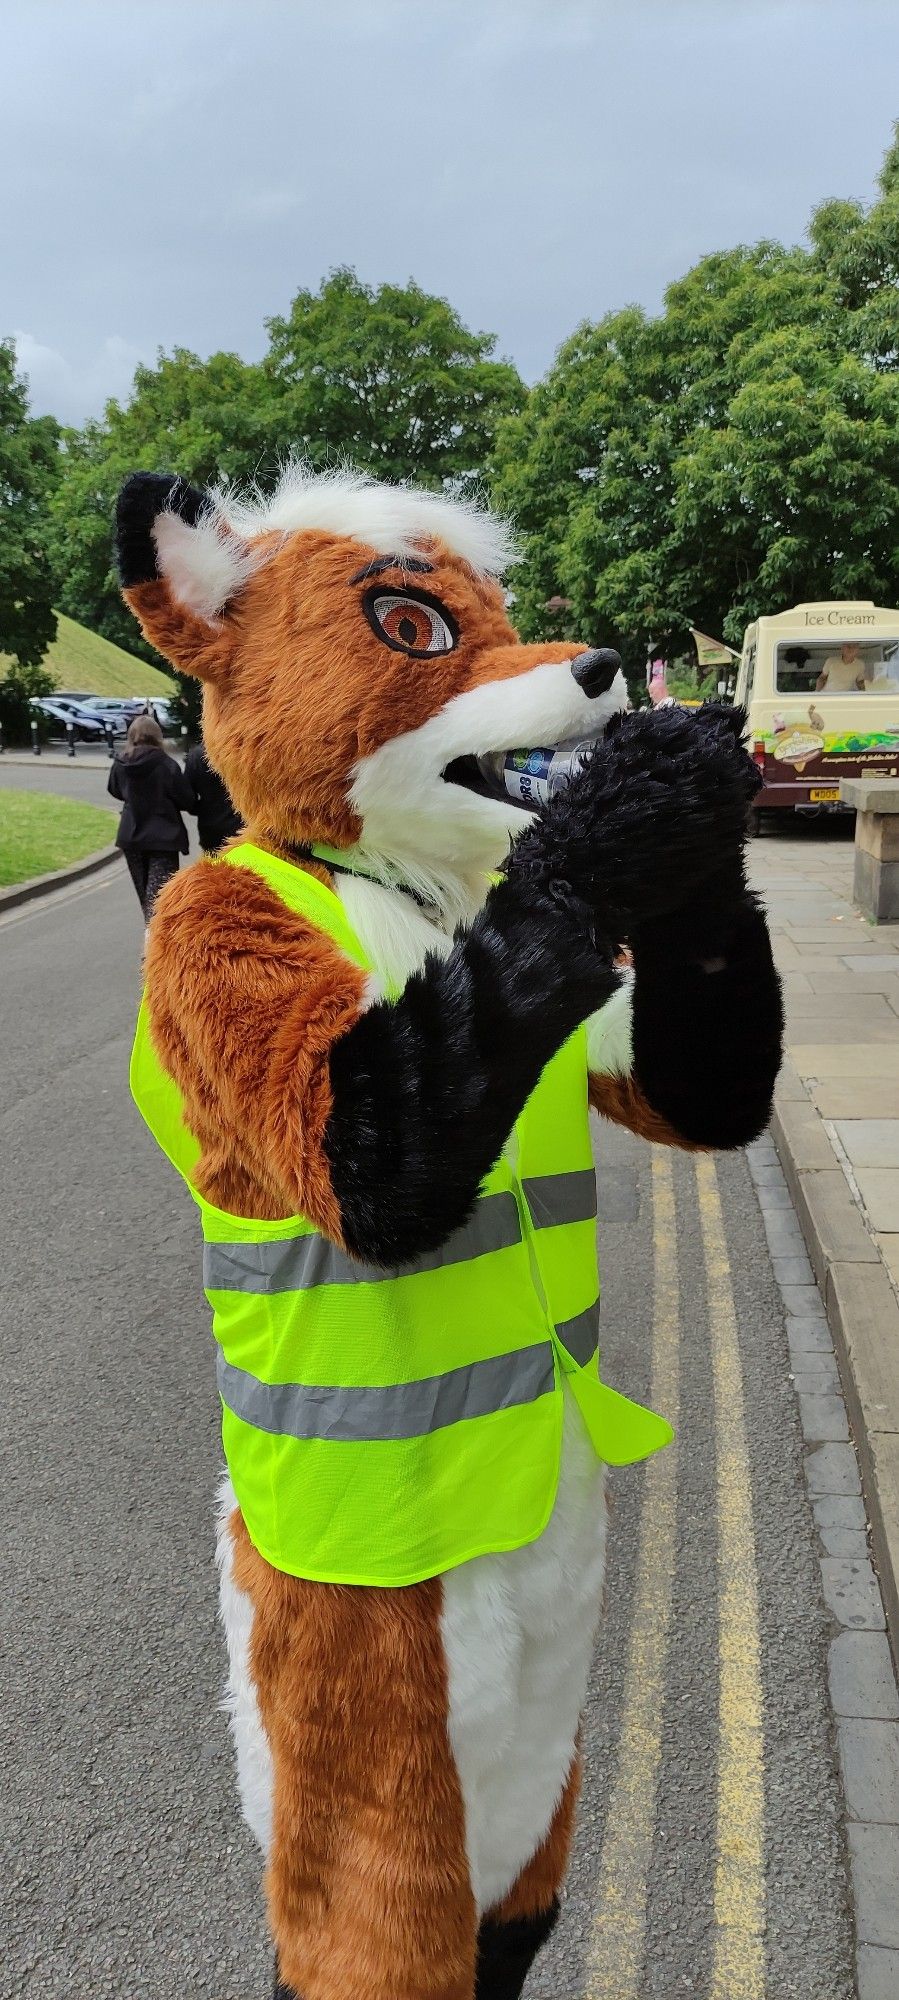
[{"x": 174, "y": 173}]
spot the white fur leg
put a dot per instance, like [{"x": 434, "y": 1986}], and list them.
[
  {"x": 518, "y": 1635},
  {"x": 254, "y": 1761}
]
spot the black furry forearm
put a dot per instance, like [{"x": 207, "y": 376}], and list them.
[
  {"x": 708, "y": 1021},
  {"x": 426, "y": 1090}
]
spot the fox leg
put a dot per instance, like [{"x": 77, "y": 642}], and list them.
[
  {"x": 512, "y": 1933},
  {"x": 367, "y": 1880}
]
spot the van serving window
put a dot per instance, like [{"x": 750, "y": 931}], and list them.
[{"x": 838, "y": 666}]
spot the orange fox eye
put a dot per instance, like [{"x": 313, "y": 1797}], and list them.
[{"x": 411, "y": 624}]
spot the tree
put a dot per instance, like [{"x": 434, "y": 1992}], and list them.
[
  {"x": 737, "y": 452},
  {"x": 204, "y": 419},
  {"x": 28, "y": 455},
  {"x": 859, "y": 251},
  {"x": 390, "y": 379}
]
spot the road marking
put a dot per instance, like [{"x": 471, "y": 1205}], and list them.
[
  {"x": 738, "y": 1971},
  {"x": 617, "y": 1945}
]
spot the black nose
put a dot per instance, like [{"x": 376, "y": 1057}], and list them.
[{"x": 596, "y": 670}]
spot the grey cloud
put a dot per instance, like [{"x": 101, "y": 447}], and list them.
[{"x": 181, "y": 169}]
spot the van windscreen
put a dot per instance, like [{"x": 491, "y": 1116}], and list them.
[{"x": 864, "y": 666}]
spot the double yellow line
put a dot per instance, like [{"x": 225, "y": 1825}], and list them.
[
  {"x": 739, "y": 1966},
  {"x": 618, "y": 1942}
]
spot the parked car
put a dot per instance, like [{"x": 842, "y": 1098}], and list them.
[
  {"x": 117, "y": 710},
  {"x": 63, "y": 710},
  {"x": 92, "y": 714}
]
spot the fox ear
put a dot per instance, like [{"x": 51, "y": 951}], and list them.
[{"x": 180, "y": 564}]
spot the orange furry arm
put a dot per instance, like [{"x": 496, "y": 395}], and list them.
[
  {"x": 620, "y": 1099},
  {"x": 245, "y": 1001}
]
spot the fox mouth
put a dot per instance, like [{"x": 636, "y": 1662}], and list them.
[
  {"x": 527, "y": 769},
  {"x": 466, "y": 771}
]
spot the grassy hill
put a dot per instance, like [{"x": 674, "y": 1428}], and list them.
[{"x": 81, "y": 660}]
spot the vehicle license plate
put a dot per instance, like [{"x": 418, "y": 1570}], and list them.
[{"x": 820, "y": 792}]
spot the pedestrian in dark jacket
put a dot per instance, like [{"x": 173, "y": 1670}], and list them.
[
  {"x": 154, "y": 793},
  {"x": 217, "y": 819}
]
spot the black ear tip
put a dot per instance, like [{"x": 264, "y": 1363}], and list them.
[
  {"x": 144, "y": 496},
  {"x": 145, "y": 492}
]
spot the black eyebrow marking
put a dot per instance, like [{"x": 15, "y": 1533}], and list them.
[{"x": 416, "y": 566}]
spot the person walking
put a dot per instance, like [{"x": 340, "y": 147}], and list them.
[
  {"x": 154, "y": 793},
  {"x": 217, "y": 819}
]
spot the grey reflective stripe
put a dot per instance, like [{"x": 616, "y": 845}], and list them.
[
  {"x": 555, "y": 1198},
  {"x": 581, "y": 1334},
  {"x": 297, "y": 1263},
  {"x": 403, "y": 1410}
]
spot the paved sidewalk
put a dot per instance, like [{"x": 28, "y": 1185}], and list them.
[
  {"x": 836, "y": 1125},
  {"x": 863, "y": 1691}
]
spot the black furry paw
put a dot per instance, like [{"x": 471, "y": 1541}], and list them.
[{"x": 659, "y": 808}]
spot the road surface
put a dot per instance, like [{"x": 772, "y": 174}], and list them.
[{"x": 710, "y": 1856}]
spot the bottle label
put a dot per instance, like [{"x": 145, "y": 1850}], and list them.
[
  {"x": 535, "y": 776},
  {"x": 526, "y": 776}
]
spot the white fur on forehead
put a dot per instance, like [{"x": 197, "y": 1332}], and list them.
[
  {"x": 392, "y": 520},
  {"x": 208, "y": 564}
]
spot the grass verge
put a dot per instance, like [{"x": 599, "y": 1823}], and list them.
[{"x": 39, "y": 831}]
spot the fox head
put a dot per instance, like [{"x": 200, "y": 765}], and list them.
[{"x": 356, "y": 658}]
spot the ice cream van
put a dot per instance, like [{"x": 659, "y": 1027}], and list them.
[{"x": 820, "y": 685}]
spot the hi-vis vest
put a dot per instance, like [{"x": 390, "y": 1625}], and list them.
[{"x": 382, "y": 1426}]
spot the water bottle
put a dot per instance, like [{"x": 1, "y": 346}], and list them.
[{"x": 533, "y": 777}]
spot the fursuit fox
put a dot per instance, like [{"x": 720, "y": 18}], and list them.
[{"x": 371, "y": 1033}]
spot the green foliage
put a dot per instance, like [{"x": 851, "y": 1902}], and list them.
[
  {"x": 733, "y": 455},
  {"x": 204, "y": 419},
  {"x": 389, "y": 379},
  {"x": 17, "y": 689},
  {"x": 860, "y": 253},
  {"x": 28, "y": 458}
]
